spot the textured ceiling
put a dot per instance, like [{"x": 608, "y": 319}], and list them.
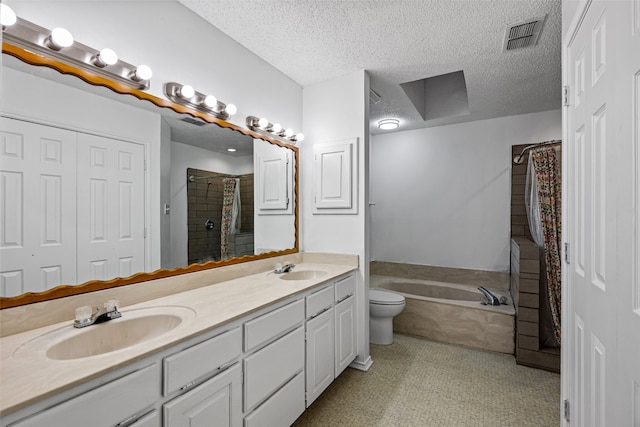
[{"x": 399, "y": 41}]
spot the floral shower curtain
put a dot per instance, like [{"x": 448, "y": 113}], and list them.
[
  {"x": 230, "y": 213},
  {"x": 547, "y": 171}
]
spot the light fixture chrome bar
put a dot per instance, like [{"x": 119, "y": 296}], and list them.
[
  {"x": 34, "y": 38},
  {"x": 196, "y": 101},
  {"x": 267, "y": 128}
]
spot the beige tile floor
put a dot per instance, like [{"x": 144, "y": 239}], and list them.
[{"x": 417, "y": 382}]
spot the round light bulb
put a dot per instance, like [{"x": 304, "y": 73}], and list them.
[
  {"x": 263, "y": 123},
  {"x": 7, "y": 15},
  {"x": 288, "y": 133},
  {"x": 210, "y": 101},
  {"x": 299, "y": 137},
  {"x": 231, "y": 109},
  {"x": 143, "y": 72},
  {"x": 186, "y": 92},
  {"x": 106, "y": 57},
  {"x": 60, "y": 38},
  {"x": 276, "y": 128}
]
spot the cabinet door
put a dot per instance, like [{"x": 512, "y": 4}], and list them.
[
  {"x": 320, "y": 354},
  {"x": 335, "y": 177},
  {"x": 345, "y": 334},
  {"x": 216, "y": 403}
]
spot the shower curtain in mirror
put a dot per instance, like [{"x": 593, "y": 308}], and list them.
[
  {"x": 230, "y": 213},
  {"x": 547, "y": 183}
]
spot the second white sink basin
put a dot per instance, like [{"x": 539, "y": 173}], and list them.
[
  {"x": 134, "y": 327},
  {"x": 303, "y": 275}
]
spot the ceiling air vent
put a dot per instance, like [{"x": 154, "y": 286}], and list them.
[
  {"x": 193, "y": 121},
  {"x": 523, "y": 34},
  {"x": 374, "y": 97}
]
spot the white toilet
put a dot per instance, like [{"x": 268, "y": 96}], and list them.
[{"x": 383, "y": 307}]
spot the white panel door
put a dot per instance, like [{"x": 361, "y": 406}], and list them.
[
  {"x": 601, "y": 332},
  {"x": 627, "y": 91},
  {"x": 37, "y": 205},
  {"x": 320, "y": 354},
  {"x": 111, "y": 208},
  {"x": 345, "y": 339}
]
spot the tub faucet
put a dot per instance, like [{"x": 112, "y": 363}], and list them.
[
  {"x": 488, "y": 298},
  {"x": 85, "y": 316}
]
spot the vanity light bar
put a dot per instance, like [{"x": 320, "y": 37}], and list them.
[
  {"x": 186, "y": 95},
  {"x": 264, "y": 126},
  {"x": 60, "y": 45}
]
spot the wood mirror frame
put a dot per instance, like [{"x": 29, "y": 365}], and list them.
[{"x": 96, "y": 285}]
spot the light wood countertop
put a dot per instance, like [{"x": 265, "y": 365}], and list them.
[{"x": 29, "y": 376}]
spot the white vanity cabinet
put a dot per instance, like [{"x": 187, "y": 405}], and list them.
[
  {"x": 259, "y": 370},
  {"x": 345, "y": 323},
  {"x": 118, "y": 402},
  {"x": 330, "y": 334},
  {"x": 273, "y": 391},
  {"x": 216, "y": 402},
  {"x": 319, "y": 342}
]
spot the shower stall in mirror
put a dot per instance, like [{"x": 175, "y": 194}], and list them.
[{"x": 220, "y": 223}]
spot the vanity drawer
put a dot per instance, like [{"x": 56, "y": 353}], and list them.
[
  {"x": 345, "y": 287},
  {"x": 109, "y": 404},
  {"x": 265, "y": 328},
  {"x": 269, "y": 368},
  {"x": 283, "y": 408},
  {"x": 319, "y": 301},
  {"x": 193, "y": 363}
]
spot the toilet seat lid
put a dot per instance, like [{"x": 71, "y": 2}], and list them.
[{"x": 385, "y": 297}]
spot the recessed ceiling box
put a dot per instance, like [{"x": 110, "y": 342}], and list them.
[
  {"x": 523, "y": 34},
  {"x": 439, "y": 96}
]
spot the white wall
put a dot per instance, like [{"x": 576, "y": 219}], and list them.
[
  {"x": 442, "y": 194},
  {"x": 184, "y": 157},
  {"x": 337, "y": 110}
]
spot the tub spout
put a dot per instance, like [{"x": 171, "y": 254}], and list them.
[{"x": 488, "y": 298}]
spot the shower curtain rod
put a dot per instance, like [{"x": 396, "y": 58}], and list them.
[
  {"x": 193, "y": 178},
  {"x": 518, "y": 160}
]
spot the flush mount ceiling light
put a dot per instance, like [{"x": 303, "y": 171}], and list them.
[
  {"x": 59, "y": 45},
  {"x": 388, "y": 124},
  {"x": 263, "y": 125},
  {"x": 188, "y": 96}
]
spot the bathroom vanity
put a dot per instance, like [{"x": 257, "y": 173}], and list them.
[{"x": 252, "y": 351}]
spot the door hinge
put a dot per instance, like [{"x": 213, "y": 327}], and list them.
[
  {"x": 566, "y": 253},
  {"x": 566, "y": 410},
  {"x": 565, "y": 96}
]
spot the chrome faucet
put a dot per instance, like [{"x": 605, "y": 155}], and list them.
[
  {"x": 85, "y": 316},
  {"x": 284, "y": 268},
  {"x": 488, "y": 298}
]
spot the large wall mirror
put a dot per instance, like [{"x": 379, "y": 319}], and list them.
[{"x": 194, "y": 192}]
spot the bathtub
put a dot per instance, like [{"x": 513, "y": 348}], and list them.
[{"x": 452, "y": 313}]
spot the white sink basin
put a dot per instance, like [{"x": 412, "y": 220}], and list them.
[
  {"x": 133, "y": 328},
  {"x": 303, "y": 275}
]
